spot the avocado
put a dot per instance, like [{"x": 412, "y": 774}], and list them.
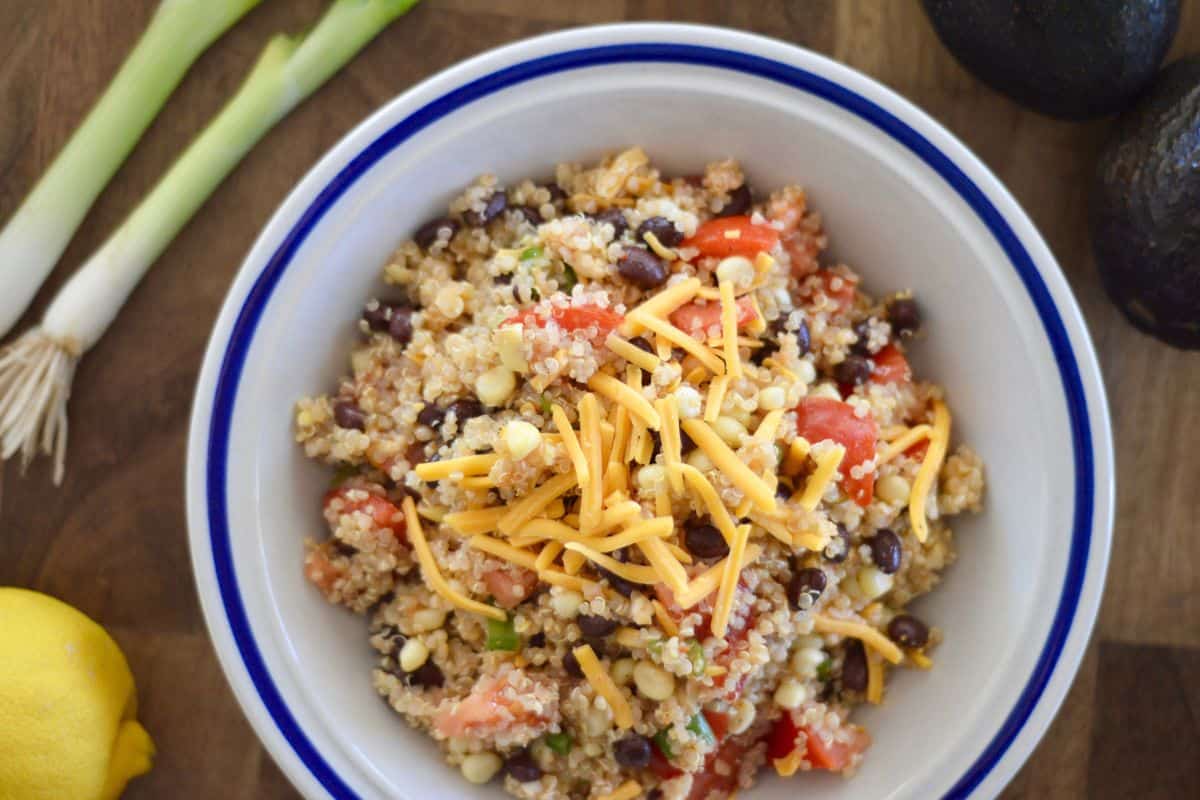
[
  {"x": 1145, "y": 209},
  {"x": 1072, "y": 59}
]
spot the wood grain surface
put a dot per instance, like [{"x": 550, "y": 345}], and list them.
[{"x": 111, "y": 540}]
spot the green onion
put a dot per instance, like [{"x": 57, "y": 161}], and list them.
[
  {"x": 569, "y": 279},
  {"x": 343, "y": 473},
  {"x": 39, "y": 231},
  {"x": 36, "y": 370},
  {"x": 530, "y": 253},
  {"x": 699, "y": 726},
  {"x": 502, "y": 636},
  {"x": 825, "y": 670},
  {"x": 544, "y": 404},
  {"x": 663, "y": 743},
  {"x": 558, "y": 742},
  {"x": 696, "y": 656}
]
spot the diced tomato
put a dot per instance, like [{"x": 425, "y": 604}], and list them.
[
  {"x": 572, "y": 318},
  {"x": 838, "y": 288},
  {"x": 510, "y": 587},
  {"x": 487, "y": 712},
  {"x": 661, "y": 766},
  {"x": 918, "y": 450},
  {"x": 733, "y": 236},
  {"x": 782, "y": 739},
  {"x": 819, "y": 418},
  {"x": 719, "y": 722},
  {"x": 382, "y": 511},
  {"x": 835, "y": 756},
  {"x": 698, "y": 320},
  {"x": 890, "y": 366},
  {"x": 725, "y": 780}
]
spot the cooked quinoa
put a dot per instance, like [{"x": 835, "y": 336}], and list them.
[{"x": 634, "y": 485}]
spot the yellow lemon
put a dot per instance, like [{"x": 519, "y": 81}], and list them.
[{"x": 67, "y": 705}]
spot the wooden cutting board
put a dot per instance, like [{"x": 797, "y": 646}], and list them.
[{"x": 111, "y": 540}]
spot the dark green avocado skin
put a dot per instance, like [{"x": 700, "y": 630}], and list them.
[
  {"x": 1072, "y": 59},
  {"x": 1145, "y": 209}
]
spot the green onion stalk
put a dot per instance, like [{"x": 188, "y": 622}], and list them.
[
  {"x": 36, "y": 235},
  {"x": 37, "y": 369}
]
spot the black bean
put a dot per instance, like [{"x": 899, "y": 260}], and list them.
[
  {"x": 538, "y": 639},
  {"x": 704, "y": 541},
  {"x": 491, "y": 209},
  {"x": 642, "y": 268},
  {"x": 836, "y": 551},
  {"x": 464, "y": 409},
  {"x": 415, "y": 453},
  {"x": 854, "y": 667},
  {"x": 863, "y": 331},
  {"x": 618, "y": 584},
  {"x": 908, "y": 631},
  {"x": 904, "y": 316},
  {"x": 348, "y": 415},
  {"x": 343, "y": 548},
  {"x": 886, "y": 550},
  {"x": 430, "y": 232},
  {"x": 400, "y": 328},
  {"x": 806, "y": 583},
  {"x": 641, "y": 343},
  {"x": 663, "y": 229},
  {"x": 686, "y": 445},
  {"x": 427, "y": 676},
  {"x": 854, "y": 370},
  {"x": 571, "y": 665},
  {"x": 596, "y": 627},
  {"x": 378, "y": 314},
  {"x": 557, "y": 194},
  {"x": 803, "y": 338},
  {"x": 739, "y": 203},
  {"x": 531, "y": 214},
  {"x": 633, "y": 751},
  {"x": 521, "y": 766},
  {"x": 431, "y": 415},
  {"x": 614, "y": 217},
  {"x": 783, "y": 491}
]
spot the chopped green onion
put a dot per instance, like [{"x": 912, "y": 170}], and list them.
[
  {"x": 558, "y": 742},
  {"x": 39, "y": 231},
  {"x": 696, "y": 656},
  {"x": 663, "y": 743},
  {"x": 699, "y": 726},
  {"x": 36, "y": 370},
  {"x": 530, "y": 253},
  {"x": 569, "y": 279},
  {"x": 655, "y": 647},
  {"x": 502, "y": 636},
  {"x": 825, "y": 670},
  {"x": 544, "y": 404}
]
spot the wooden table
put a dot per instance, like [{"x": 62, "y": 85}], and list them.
[{"x": 111, "y": 540}]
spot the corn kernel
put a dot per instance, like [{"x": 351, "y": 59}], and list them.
[
  {"x": 494, "y": 386},
  {"x": 653, "y": 683},
  {"x": 743, "y": 716},
  {"x": 413, "y": 655},
  {"x": 650, "y": 478},
  {"x": 893, "y": 489},
  {"x": 428, "y": 619},
  {"x": 771, "y": 398},
  {"x": 479, "y": 768},
  {"x": 730, "y": 430},
  {"x": 521, "y": 438},
  {"x": 805, "y": 371},
  {"x": 622, "y": 671},
  {"x": 700, "y": 460},
  {"x": 806, "y": 660},
  {"x": 566, "y": 604},
  {"x": 510, "y": 347},
  {"x": 873, "y": 583},
  {"x": 791, "y": 694},
  {"x": 737, "y": 270},
  {"x": 689, "y": 402}
]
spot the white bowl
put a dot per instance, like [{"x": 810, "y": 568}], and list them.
[{"x": 905, "y": 203}]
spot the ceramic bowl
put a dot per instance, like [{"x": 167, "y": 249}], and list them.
[{"x": 904, "y": 202}]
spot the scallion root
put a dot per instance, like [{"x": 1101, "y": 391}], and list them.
[{"x": 35, "y": 384}]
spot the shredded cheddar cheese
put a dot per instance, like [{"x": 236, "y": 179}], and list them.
[
  {"x": 727, "y": 461},
  {"x": 697, "y": 349},
  {"x": 729, "y": 581},
  {"x": 939, "y": 441},
  {"x": 733, "y": 361},
  {"x": 528, "y": 506},
  {"x": 571, "y": 444},
  {"x": 635, "y": 573},
  {"x": 603, "y": 683},
  {"x": 704, "y": 584},
  {"x": 672, "y": 442},
  {"x": 503, "y": 550},
  {"x": 660, "y": 306},
  {"x": 797, "y": 452},
  {"x": 431, "y": 573},
  {"x": 708, "y": 496},
  {"x": 902, "y": 442},
  {"x": 547, "y": 555},
  {"x": 874, "y": 678},
  {"x": 827, "y": 466},
  {"x": 664, "y": 619},
  {"x": 632, "y": 353},
  {"x": 864, "y": 633},
  {"x": 716, "y": 396},
  {"x": 468, "y": 523},
  {"x": 593, "y": 447},
  {"x": 626, "y": 791},
  {"x": 466, "y": 465}
]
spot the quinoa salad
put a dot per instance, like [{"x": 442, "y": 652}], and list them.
[{"x": 634, "y": 484}]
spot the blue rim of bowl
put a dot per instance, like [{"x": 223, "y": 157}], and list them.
[{"x": 256, "y": 301}]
